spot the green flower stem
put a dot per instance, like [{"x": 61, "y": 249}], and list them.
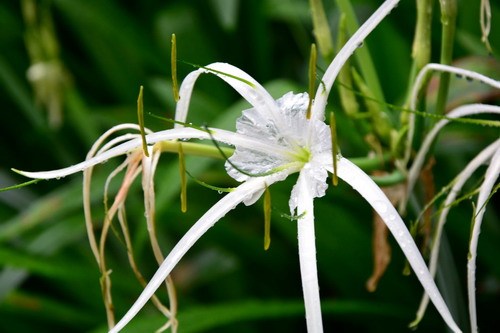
[
  {"x": 362, "y": 54},
  {"x": 321, "y": 30},
  {"x": 393, "y": 178},
  {"x": 346, "y": 94},
  {"x": 195, "y": 149},
  {"x": 448, "y": 20},
  {"x": 421, "y": 51}
]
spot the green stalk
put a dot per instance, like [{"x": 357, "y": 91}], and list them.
[
  {"x": 362, "y": 55},
  {"x": 321, "y": 30},
  {"x": 191, "y": 148},
  {"x": 312, "y": 78},
  {"x": 421, "y": 51},
  {"x": 448, "y": 21},
  {"x": 182, "y": 174},
  {"x": 267, "y": 219},
  {"x": 346, "y": 94},
  {"x": 140, "y": 117}
]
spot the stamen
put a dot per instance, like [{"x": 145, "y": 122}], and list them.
[
  {"x": 333, "y": 131},
  {"x": 140, "y": 116},
  {"x": 173, "y": 64},
  {"x": 14, "y": 187},
  {"x": 267, "y": 218},
  {"x": 182, "y": 171},
  {"x": 312, "y": 78},
  {"x": 293, "y": 218},
  {"x": 220, "y": 190}
]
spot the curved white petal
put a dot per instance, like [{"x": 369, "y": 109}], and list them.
[
  {"x": 185, "y": 92},
  {"x": 462, "y": 111},
  {"x": 490, "y": 178},
  {"x": 419, "y": 81},
  {"x": 315, "y": 176},
  {"x": 248, "y": 88},
  {"x": 243, "y": 83},
  {"x": 214, "y": 214},
  {"x": 362, "y": 183},
  {"x": 307, "y": 254},
  {"x": 460, "y": 180},
  {"x": 172, "y": 134},
  {"x": 87, "y": 176},
  {"x": 114, "y": 152},
  {"x": 345, "y": 53}
]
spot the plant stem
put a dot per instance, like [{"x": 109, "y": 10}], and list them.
[
  {"x": 321, "y": 30},
  {"x": 362, "y": 54},
  {"x": 448, "y": 20}
]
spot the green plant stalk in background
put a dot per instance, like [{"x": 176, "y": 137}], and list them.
[
  {"x": 321, "y": 30},
  {"x": 448, "y": 22}
]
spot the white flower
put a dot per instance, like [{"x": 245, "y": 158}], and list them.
[{"x": 273, "y": 140}]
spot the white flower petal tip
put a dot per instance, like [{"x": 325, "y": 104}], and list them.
[
  {"x": 362, "y": 183},
  {"x": 490, "y": 178},
  {"x": 482, "y": 158},
  {"x": 212, "y": 216}
]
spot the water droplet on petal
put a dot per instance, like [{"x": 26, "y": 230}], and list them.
[{"x": 380, "y": 206}]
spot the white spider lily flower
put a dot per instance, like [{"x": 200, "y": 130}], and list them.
[
  {"x": 312, "y": 160},
  {"x": 273, "y": 140}
]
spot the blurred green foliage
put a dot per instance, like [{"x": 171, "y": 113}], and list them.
[{"x": 227, "y": 283}]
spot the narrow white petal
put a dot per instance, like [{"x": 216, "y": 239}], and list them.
[
  {"x": 250, "y": 90},
  {"x": 421, "y": 79},
  {"x": 240, "y": 81},
  {"x": 490, "y": 178},
  {"x": 315, "y": 176},
  {"x": 214, "y": 214},
  {"x": 460, "y": 180},
  {"x": 461, "y": 111},
  {"x": 185, "y": 92},
  {"x": 344, "y": 54},
  {"x": 172, "y": 134},
  {"x": 362, "y": 183},
  {"x": 307, "y": 255},
  {"x": 104, "y": 156}
]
